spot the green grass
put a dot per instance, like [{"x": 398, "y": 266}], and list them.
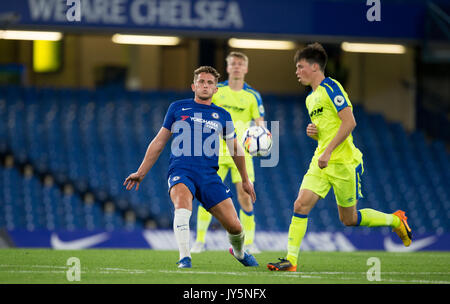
[{"x": 106, "y": 266}]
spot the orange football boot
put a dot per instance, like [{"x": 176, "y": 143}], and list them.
[
  {"x": 403, "y": 231},
  {"x": 282, "y": 265}
]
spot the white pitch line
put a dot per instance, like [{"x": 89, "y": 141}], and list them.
[
  {"x": 34, "y": 266},
  {"x": 300, "y": 275},
  {"x": 118, "y": 270},
  {"x": 35, "y": 271},
  {"x": 313, "y": 275}
]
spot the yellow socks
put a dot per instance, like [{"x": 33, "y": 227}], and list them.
[
  {"x": 203, "y": 220},
  {"x": 297, "y": 231},
  {"x": 366, "y": 217},
  {"x": 248, "y": 224},
  {"x": 373, "y": 218}
]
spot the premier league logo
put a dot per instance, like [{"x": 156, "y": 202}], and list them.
[{"x": 339, "y": 100}]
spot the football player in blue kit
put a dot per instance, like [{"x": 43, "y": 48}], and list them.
[{"x": 196, "y": 126}]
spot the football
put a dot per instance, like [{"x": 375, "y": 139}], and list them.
[{"x": 257, "y": 141}]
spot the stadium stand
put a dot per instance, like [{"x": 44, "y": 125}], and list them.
[{"x": 72, "y": 150}]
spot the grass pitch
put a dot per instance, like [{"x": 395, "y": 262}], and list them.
[{"x": 105, "y": 266}]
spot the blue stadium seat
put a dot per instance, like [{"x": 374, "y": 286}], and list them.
[{"x": 95, "y": 138}]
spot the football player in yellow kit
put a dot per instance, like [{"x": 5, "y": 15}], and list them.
[
  {"x": 245, "y": 105},
  {"x": 336, "y": 162}
]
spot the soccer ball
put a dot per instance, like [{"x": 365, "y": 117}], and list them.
[{"x": 257, "y": 141}]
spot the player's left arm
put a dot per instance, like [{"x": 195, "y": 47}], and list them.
[
  {"x": 257, "y": 109},
  {"x": 348, "y": 123},
  {"x": 259, "y": 121},
  {"x": 238, "y": 156}
]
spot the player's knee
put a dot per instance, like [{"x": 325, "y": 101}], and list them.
[
  {"x": 245, "y": 200},
  {"x": 181, "y": 203},
  {"x": 241, "y": 194},
  {"x": 300, "y": 207},
  {"x": 234, "y": 228},
  {"x": 348, "y": 220}
]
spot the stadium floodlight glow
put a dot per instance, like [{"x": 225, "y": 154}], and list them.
[
  {"x": 373, "y": 48},
  {"x": 145, "y": 39},
  {"x": 30, "y": 35},
  {"x": 261, "y": 44}
]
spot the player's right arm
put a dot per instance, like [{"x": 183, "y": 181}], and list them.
[
  {"x": 238, "y": 156},
  {"x": 154, "y": 149},
  {"x": 348, "y": 123},
  {"x": 311, "y": 131}
]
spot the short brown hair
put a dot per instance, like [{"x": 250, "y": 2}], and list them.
[
  {"x": 313, "y": 53},
  {"x": 237, "y": 55},
  {"x": 207, "y": 69}
]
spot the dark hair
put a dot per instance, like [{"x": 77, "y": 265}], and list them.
[
  {"x": 313, "y": 53},
  {"x": 207, "y": 69}
]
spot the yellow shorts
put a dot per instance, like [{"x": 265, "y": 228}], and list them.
[
  {"x": 226, "y": 163},
  {"x": 344, "y": 178}
]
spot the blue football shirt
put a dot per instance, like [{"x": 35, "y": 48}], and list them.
[{"x": 197, "y": 130}]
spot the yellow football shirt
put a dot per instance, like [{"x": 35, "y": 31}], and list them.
[
  {"x": 323, "y": 106},
  {"x": 244, "y": 106}
]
